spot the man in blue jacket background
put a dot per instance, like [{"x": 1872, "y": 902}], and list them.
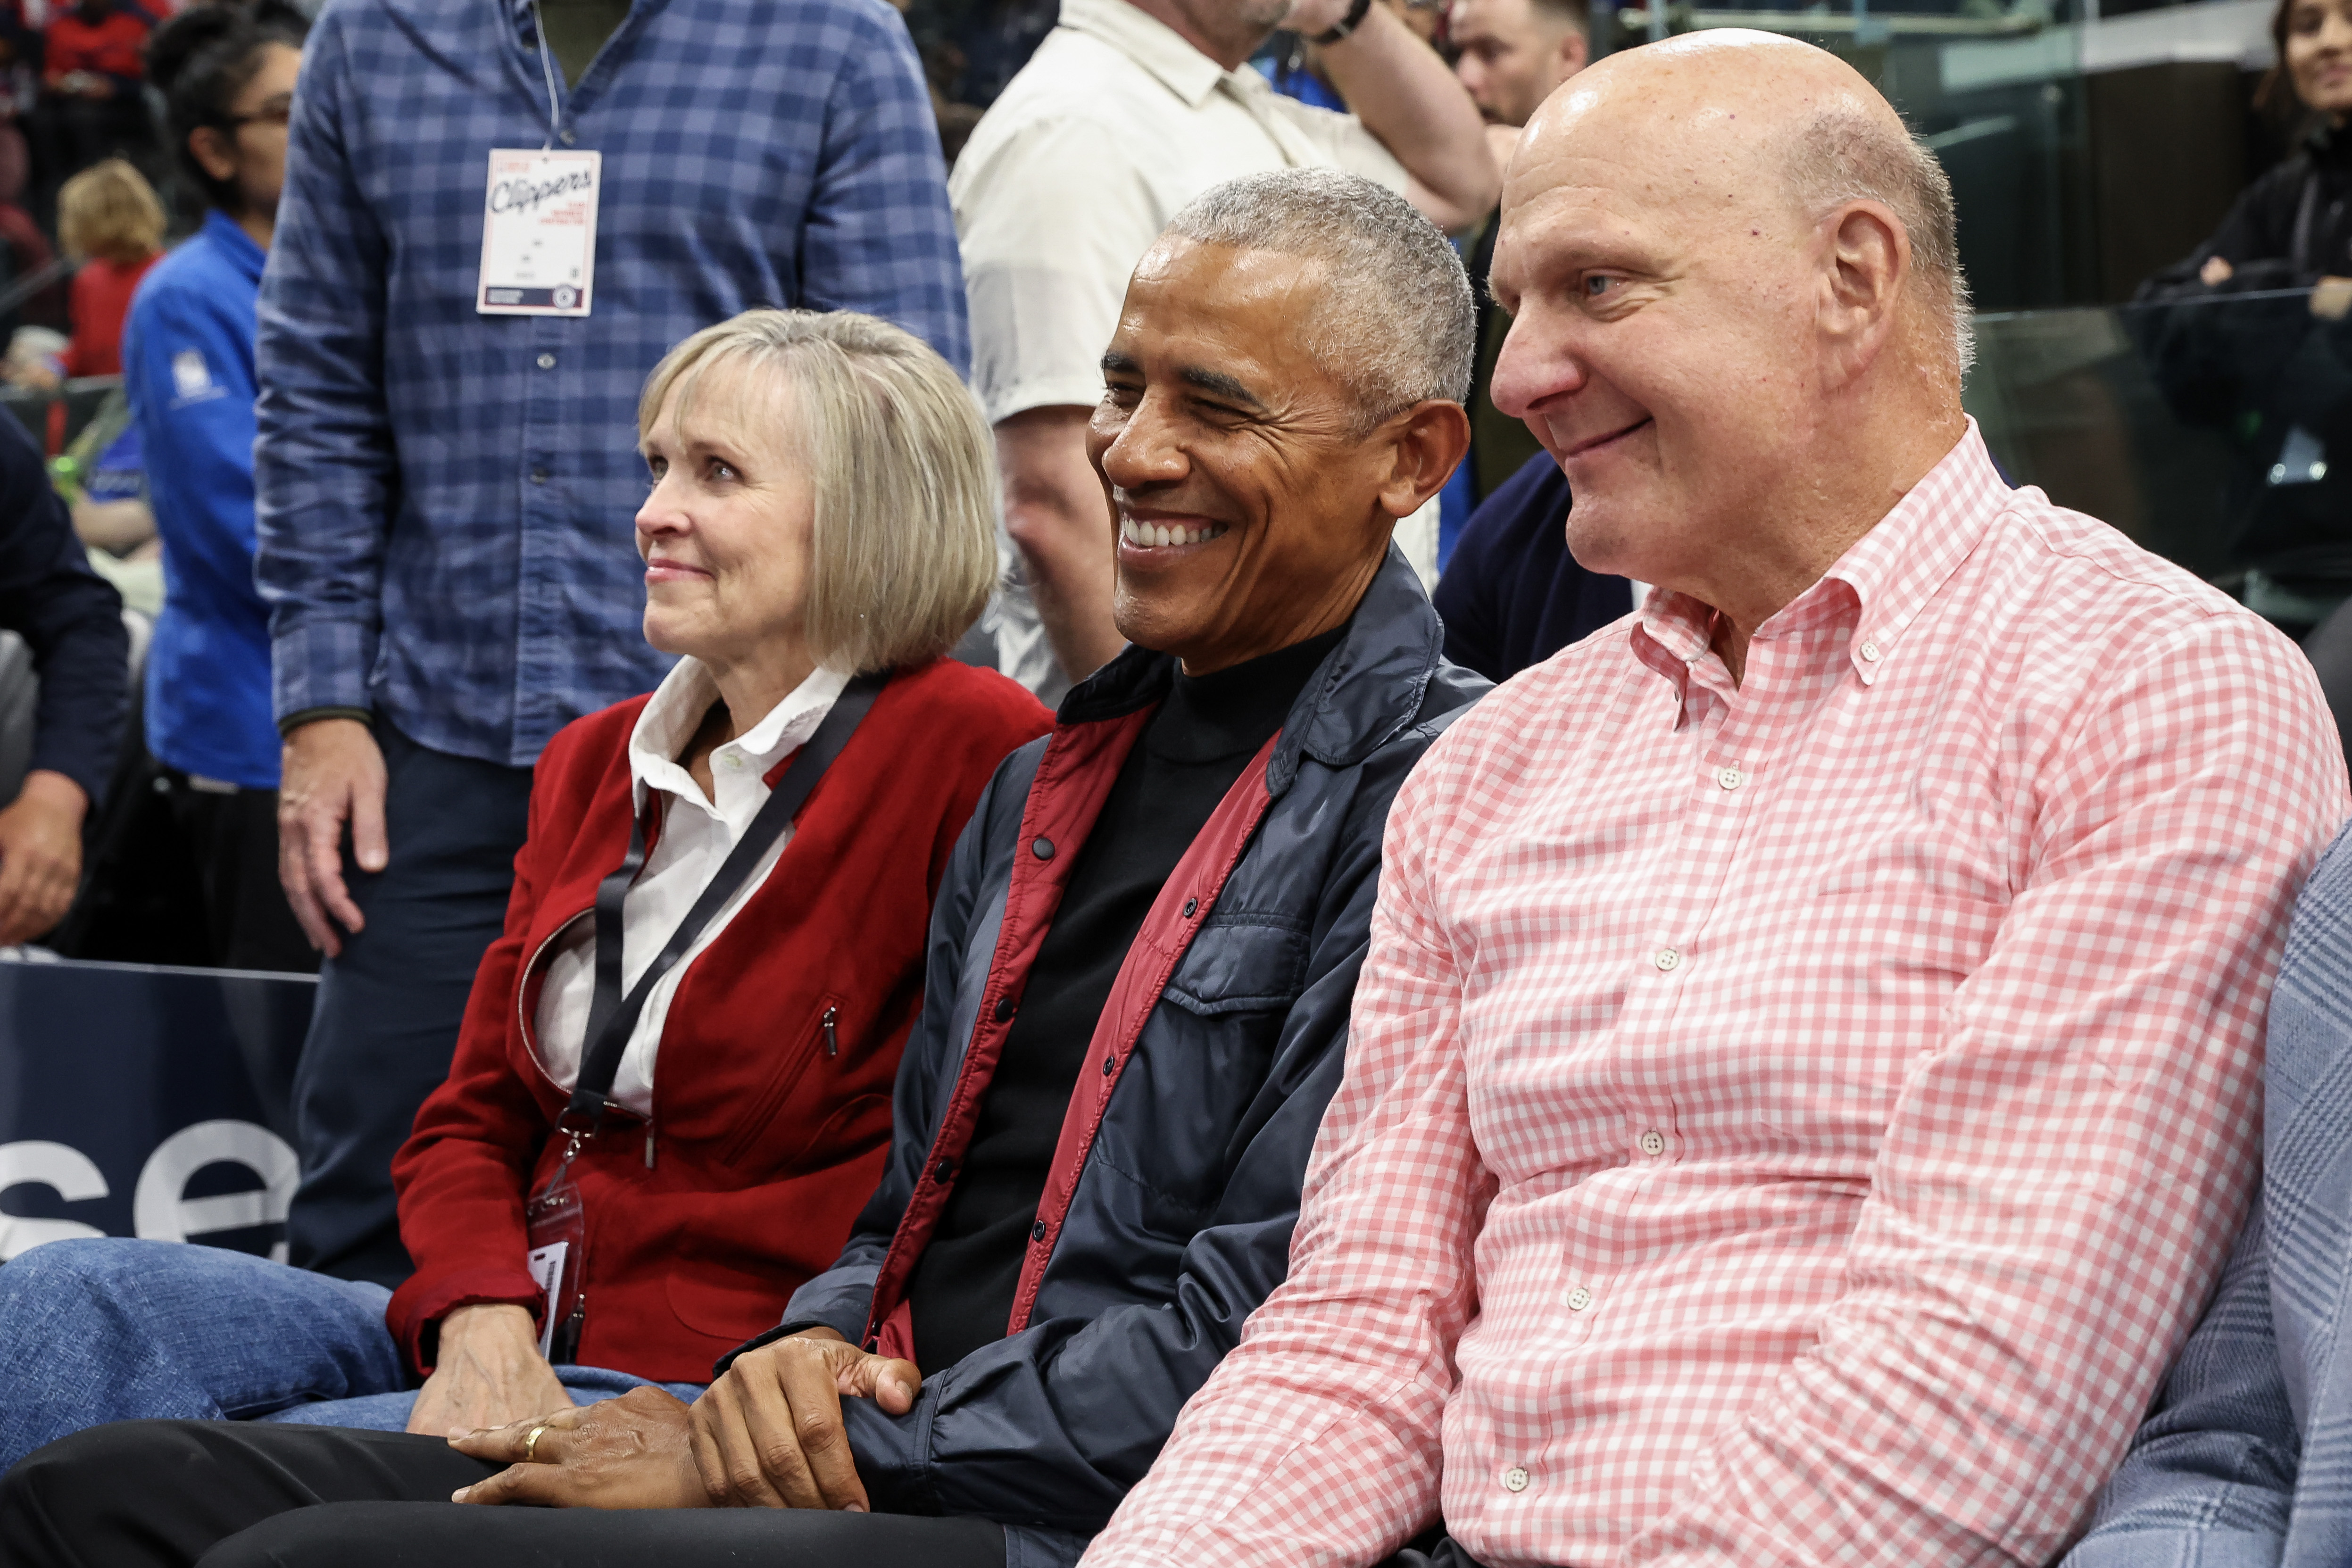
[{"x": 227, "y": 74}]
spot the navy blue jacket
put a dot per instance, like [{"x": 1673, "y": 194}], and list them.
[
  {"x": 1512, "y": 596},
  {"x": 69, "y": 616},
  {"x": 1168, "y": 1218}
]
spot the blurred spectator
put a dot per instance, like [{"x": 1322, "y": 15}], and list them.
[
  {"x": 1127, "y": 112},
  {"x": 108, "y": 215},
  {"x": 1512, "y": 596},
  {"x": 227, "y": 73},
  {"x": 444, "y": 488},
  {"x": 73, "y": 621},
  {"x": 1511, "y": 55},
  {"x": 90, "y": 104},
  {"x": 2277, "y": 372}
]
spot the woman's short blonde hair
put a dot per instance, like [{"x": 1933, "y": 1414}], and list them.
[
  {"x": 904, "y": 468},
  {"x": 110, "y": 211}
]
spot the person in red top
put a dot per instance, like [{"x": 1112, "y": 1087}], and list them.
[
  {"x": 108, "y": 214},
  {"x": 93, "y": 50},
  {"x": 92, "y": 71},
  {"x": 671, "y": 1092}
]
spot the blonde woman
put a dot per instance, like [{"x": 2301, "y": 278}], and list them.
[
  {"x": 645, "y": 1144},
  {"x": 109, "y": 216}
]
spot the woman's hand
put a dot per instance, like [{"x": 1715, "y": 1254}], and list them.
[
  {"x": 769, "y": 1434},
  {"x": 488, "y": 1372},
  {"x": 631, "y": 1452}
]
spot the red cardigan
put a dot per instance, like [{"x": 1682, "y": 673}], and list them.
[{"x": 765, "y": 1143}]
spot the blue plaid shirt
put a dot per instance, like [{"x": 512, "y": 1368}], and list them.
[{"x": 444, "y": 499}]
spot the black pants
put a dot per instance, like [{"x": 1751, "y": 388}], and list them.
[
  {"x": 233, "y": 834},
  {"x": 149, "y": 1494},
  {"x": 389, "y": 1008}
]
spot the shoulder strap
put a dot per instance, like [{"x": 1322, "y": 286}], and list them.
[{"x": 612, "y": 1017}]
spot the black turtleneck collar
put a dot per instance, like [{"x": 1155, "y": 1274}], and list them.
[{"x": 1232, "y": 711}]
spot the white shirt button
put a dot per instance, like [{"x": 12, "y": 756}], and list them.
[
  {"x": 547, "y": 361},
  {"x": 734, "y": 760},
  {"x": 1653, "y": 1141},
  {"x": 1870, "y": 652},
  {"x": 1515, "y": 1479},
  {"x": 1730, "y": 778},
  {"x": 1669, "y": 960},
  {"x": 1579, "y": 1299}
]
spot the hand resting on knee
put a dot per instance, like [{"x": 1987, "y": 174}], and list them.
[
  {"x": 767, "y": 1434},
  {"x": 488, "y": 1372}
]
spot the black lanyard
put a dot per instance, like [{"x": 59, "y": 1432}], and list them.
[{"x": 612, "y": 1017}]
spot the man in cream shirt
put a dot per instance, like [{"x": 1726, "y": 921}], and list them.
[{"x": 1128, "y": 110}]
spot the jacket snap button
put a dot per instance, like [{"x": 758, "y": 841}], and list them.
[
  {"x": 943, "y": 1170},
  {"x": 1043, "y": 848},
  {"x": 1038, "y": 1231},
  {"x": 1191, "y": 907},
  {"x": 1005, "y": 1009},
  {"x": 1110, "y": 1065}
]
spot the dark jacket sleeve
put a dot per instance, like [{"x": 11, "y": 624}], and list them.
[
  {"x": 1052, "y": 1426},
  {"x": 69, "y": 616},
  {"x": 841, "y": 1298}
]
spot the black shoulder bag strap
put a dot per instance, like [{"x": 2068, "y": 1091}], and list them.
[{"x": 612, "y": 1017}]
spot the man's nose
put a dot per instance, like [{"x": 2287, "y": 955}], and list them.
[
  {"x": 1538, "y": 361},
  {"x": 1144, "y": 452}
]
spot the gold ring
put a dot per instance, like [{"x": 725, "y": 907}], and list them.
[{"x": 531, "y": 1444}]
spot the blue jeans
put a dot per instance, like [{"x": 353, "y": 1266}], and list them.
[{"x": 99, "y": 1331}]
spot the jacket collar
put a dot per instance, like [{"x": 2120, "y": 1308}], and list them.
[
  {"x": 1365, "y": 692},
  {"x": 233, "y": 244}
]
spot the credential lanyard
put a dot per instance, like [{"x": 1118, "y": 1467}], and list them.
[
  {"x": 613, "y": 1017},
  {"x": 547, "y": 73}
]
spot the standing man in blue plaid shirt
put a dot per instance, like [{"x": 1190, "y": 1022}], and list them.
[{"x": 446, "y": 468}]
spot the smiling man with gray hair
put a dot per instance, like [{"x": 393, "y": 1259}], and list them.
[
  {"x": 1135, "y": 1007},
  {"x": 1805, "y": 1074}
]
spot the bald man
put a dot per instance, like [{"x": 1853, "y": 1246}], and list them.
[{"x": 1804, "y": 1076}]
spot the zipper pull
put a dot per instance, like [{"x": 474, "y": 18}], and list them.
[
  {"x": 831, "y": 1044},
  {"x": 649, "y": 1145}
]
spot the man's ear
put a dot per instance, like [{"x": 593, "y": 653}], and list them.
[
  {"x": 209, "y": 145},
  {"x": 1867, "y": 261},
  {"x": 1575, "y": 52},
  {"x": 1430, "y": 440}
]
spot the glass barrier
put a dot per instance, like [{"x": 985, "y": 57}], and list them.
[{"x": 2216, "y": 430}]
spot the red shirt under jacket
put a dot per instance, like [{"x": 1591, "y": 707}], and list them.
[
  {"x": 764, "y": 1145},
  {"x": 101, "y": 298}
]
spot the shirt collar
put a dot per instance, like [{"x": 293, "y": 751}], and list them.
[
  {"x": 1878, "y": 587},
  {"x": 236, "y": 245},
  {"x": 675, "y": 711},
  {"x": 1150, "y": 43}
]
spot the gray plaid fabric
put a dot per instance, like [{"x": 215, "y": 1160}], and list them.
[
  {"x": 445, "y": 499},
  {"x": 2246, "y": 1461}
]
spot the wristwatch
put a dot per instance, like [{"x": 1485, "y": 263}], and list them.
[{"x": 1348, "y": 24}]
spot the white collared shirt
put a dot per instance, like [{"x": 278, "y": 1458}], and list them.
[
  {"x": 1114, "y": 125},
  {"x": 698, "y": 833}
]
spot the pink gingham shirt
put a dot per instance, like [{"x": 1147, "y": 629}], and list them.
[{"x": 1791, "y": 1123}]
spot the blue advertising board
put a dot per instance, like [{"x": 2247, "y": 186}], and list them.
[{"x": 141, "y": 1100}]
